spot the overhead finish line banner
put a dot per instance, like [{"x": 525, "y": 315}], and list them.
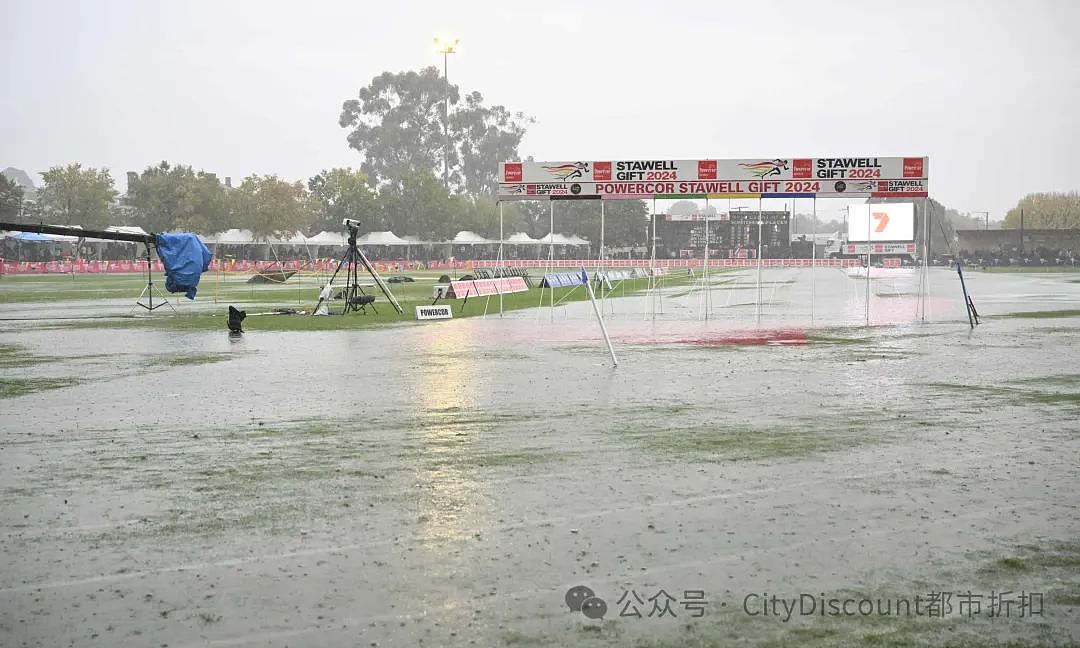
[{"x": 777, "y": 178}]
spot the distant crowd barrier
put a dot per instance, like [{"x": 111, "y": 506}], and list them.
[
  {"x": 216, "y": 265},
  {"x": 328, "y": 265},
  {"x": 666, "y": 264},
  {"x": 482, "y": 287}
]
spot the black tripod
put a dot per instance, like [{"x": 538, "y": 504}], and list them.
[
  {"x": 354, "y": 296},
  {"x": 148, "y": 291}
]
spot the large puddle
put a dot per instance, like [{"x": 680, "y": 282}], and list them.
[{"x": 446, "y": 484}]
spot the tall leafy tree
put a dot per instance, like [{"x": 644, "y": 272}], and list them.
[
  {"x": 167, "y": 197},
  {"x": 484, "y": 136},
  {"x": 344, "y": 193},
  {"x": 271, "y": 207},
  {"x": 625, "y": 221},
  {"x": 72, "y": 195},
  {"x": 420, "y": 206},
  {"x": 1046, "y": 211},
  {"x": 480, "y": 214},
  {"x": 396, "y": 122},
  {"x": 11, "y": 198}
]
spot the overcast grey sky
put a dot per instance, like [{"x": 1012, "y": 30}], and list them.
[{"x": 990, "y": 90}]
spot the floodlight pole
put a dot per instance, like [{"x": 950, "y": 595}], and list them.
[{"x": 446, "y": 48}]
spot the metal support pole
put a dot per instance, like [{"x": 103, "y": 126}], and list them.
[
  {"x": 869, "y": 227},
  {"x": 813, "y": 259},
  {"x": 596, "y": 309},
  {"x": 760, "y": 216},
  {"x": 601, "y": 255},
  {"x": 705, "y": 271},
  {"x": 501, "y": 237},
  {"x": 551, "y": 255}
]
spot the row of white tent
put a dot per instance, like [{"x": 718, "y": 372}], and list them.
[
  {"x": 245, "y": 237},
  {"x": 61, "y": 238}
]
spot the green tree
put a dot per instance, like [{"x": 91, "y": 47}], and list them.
[
  {"x": 483, "y": 137},
  {"x": 73, "y": 195},
  {"x": 167, "y": 197},
  {"x": 480, "y": 214},
  {"x": 396, "y": 123},
  {"x": 271, "y": 207},
  {"x": 1046, "y": 211},
  {"x": 344, "y": 193},
  {"x": 624, "y": 220},
  {"x": 419, "y": 205},
  {"x": 11, "y": 199}
]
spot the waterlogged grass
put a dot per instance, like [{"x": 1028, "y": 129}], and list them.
[
  {"x": 12, "y": 356},
  {"x": 735, "y": 443},
  {"x": 894, "y": 621},
  {"x": 1015, "y": 395},
  {"x": 1023, "y": 269},
  {"x": 1044, "y": 314},
  {"x": 522, "y": 458},
  {"x": 1058, "y": 379},
  {"x": 262, "y": 304},
  {"x": 1029, "y": 559},
  {"x": 12, "y": 387},
  {"x": 730, "y": 625},
  {"x": 190, "y": 359}
]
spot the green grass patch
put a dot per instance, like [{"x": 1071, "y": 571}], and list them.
[
  {"x": 190, "y": 359},
  {"x": 261, "y": 302},
  {"x": 1023, "y": 269},
  {"x": 1027, "y": 559},
  {"x": 1057, "y": 379},
  {"x": 470, "y": 458},
  {"x": 1013, "y": 395},
  {"x": 12, "y": 387},
  {"x": 12, "y": 356},
  {"x": 734, "y": 443},
  {"x": 1045, "y": 314}
]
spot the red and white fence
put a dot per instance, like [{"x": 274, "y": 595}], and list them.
[{"x": 328, "y": 265}]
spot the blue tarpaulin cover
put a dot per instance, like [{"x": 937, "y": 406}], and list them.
[
  {"x": 32, "y": 236},
  {"x": 185, "y": 258}
]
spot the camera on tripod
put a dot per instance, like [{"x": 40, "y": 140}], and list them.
[{"x": 353, "y": 294}]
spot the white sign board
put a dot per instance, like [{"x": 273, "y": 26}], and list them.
[
  {"x": 433, "y": 312},
  {"x": 885, "y": 222},
  {"x": 746, "y": 178}
]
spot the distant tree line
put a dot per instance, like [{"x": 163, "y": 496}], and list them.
[
  {"x": 176, "y": 197},
  {"x": 398, "y": 126},
  {"x": 1046, "y": 211}
]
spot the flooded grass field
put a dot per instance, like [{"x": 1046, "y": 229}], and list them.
[{"x": 757, "y": 450}]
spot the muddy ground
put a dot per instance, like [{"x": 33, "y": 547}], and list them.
[{"x": 445, "y": 484}]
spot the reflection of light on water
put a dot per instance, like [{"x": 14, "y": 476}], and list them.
[{"x": 446, "y": 479}]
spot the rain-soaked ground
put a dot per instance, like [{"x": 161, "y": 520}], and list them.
[{"x": 446, "y": 484}]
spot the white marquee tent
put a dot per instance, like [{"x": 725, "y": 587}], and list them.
[
  {"x": 382, "y": 238},
  {"x": 466, "y": 237}
]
